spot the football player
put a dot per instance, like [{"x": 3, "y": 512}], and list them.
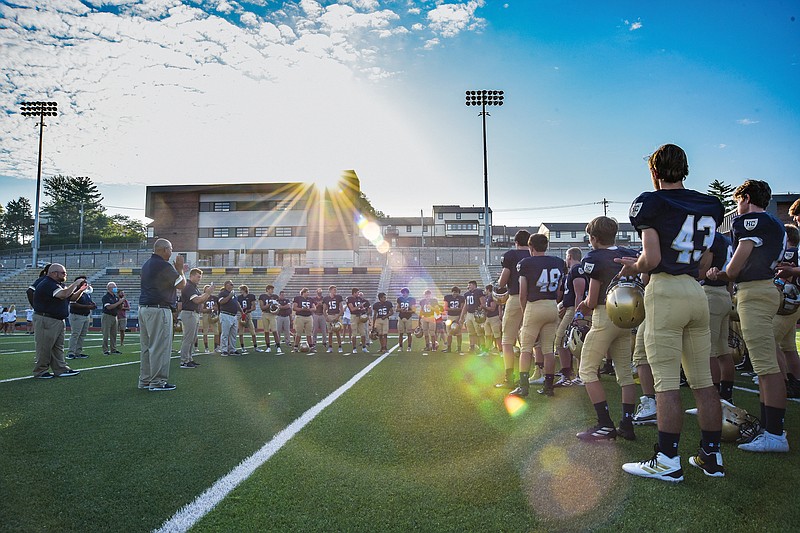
[
  {"x": 303, "y": 308},
  {"x": 539, "y": 275},
  {"x": 269, "y": 320},
  {"x": 605, "y": 337},
  {"x": 334, "y": 308},
  {"x": 381, "y": 311},
  {"x": 358, "y": 307},
  {"x": 512, "y": 313},
  {"x": 247, "y": 302},
  {"x": 406, "y": 305},
  {"x": 492, "y": 325},
  {"x": 575, "y": 287},
  {"x": 318, "y": 318},
  {"x": 677, "y": 226},
  {"x": 453, "y": 304},
  {"x": 284, "y": 321},
  {"x": 473, "y": 301},
  {"x": 760, "y": 241},
  {"x": 426, "y": 319},
  {"x": 209, "y": 308},
  {"x": 784, "y": 325}
]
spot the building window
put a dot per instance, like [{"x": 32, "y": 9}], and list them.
[
  {"x": 221, "y": 207},
  {"x": 558, "y": 235},
  {"x": 262, "y": 232},
  {"x": 283, "y": 231},
  {"x": 220, "y": 232},
  {"x": 440, "y": 216},
  {"x": 458, "y": 216},
  {"x": 574, "y": 234},
  {"x": 151, "y": 232},
  {"x": 242, "y": 232},
  {"x": 480, "y": 216},
  {"x": 425, "y": 229},
  {"x": 408, "y": 229}
]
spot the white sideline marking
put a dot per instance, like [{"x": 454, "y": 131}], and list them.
[
  {"x": 86, "y": 369},
  {"x": 203, "y": 504},
  {"x": 756, "y": 393}
]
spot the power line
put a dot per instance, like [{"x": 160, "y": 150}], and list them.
[{"x": 557, "y": 206}]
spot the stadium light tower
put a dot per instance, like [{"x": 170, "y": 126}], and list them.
[
  {"x": 39, "y": 110},
  {"x": 484, "y": 98}
]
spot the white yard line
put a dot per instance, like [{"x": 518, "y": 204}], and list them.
[
  {"x": 755, "y": 391},
  {"x": 86, "y": 369},
  {"x": 203, "y": 504}
]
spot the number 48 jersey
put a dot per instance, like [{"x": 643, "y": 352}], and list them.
[
  {"x": 541, "y": 273},
  {"x": 686, "y": 222}
]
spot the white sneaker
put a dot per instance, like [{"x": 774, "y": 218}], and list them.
[
  {"x": 364, "y": 349},
  {"x": 329, "y": 350},
  {"x": 692, "y": 411},
  {"x": 340, "y": 350},
  {"x": 767, "y": 442},
  {"x": 268, "y": 349},
  {"x": 355, "y": 350},
  {"x": 646, "y": 412},
  {"x": 408, "y": 349},
  {"x": 576, "y": 381},
  {"x": 657, "y": 467}
]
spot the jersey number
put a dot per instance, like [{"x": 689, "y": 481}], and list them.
[
  {"x": 684, "y": 241},
  {"x": 548, "y": 281}
]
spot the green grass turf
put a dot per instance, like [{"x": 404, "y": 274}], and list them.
[{"x": 421, "y": 442}]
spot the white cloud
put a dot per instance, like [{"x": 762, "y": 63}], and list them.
[
  {"x": 417, "y": 27},
  {"x": 747, "y": 122},
  {"x": 366, "y": 5},
  {"x": 635, "y": 25},
  {"x": 451, "y": 19},
  {"x": 249, "y": 19},
  {"x": 224, "y": 7},
  {"x": 722, "y": 145},
  {"x": 414, "y": 11},
  {"x": 431, "y": 43}
]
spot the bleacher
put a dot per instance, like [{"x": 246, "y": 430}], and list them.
[
  {"x": 367, "y": 279},
  {"x": 14, "y": 287},
  {"x": 439, "y": 279}
]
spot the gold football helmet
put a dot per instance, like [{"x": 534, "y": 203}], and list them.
[
  {"x": 336, "y": 327},
  {"x": 501, "y": 295},
  {"x": 373, "y": 334},
  {"x": 480, "y": 316},
  {"x": 738, "y": 425},
  {"x": 418, "y": 332},
  {"x": 178, "y": 327},
  {"x": 304, "y": 347},
  {"x": 625, "y": 303},
  {"x": 790, "y": 297},
  {"x": 576, "y": 333},
  {"x": 363, "y": 319},
  {"x": 274, "y": 308},
  {"x": 454, "y": 328},
  {"x": 214, "y": 317}
]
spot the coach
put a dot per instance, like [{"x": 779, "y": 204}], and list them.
[{"x": 159, "y": 281}]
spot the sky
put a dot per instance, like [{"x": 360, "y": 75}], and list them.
[{"x": 157, "y": 92}]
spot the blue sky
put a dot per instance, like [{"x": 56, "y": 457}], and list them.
[{"x": 171, "y": 91}]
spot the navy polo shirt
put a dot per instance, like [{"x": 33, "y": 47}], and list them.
[
  {"x": 158, "y": 282},
  {"x": 45, "y": 302}
]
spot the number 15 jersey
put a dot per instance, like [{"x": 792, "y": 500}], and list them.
[{"x": 686, "y": 222}]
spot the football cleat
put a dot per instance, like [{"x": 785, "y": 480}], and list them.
[
  {"x": 546, "y": 391},
  {"x": 766, "y": 442},
  {"x": 598, "y": 433},
  {"x": 626, "y": 431},
  {"x": 519, "y": 392},
  {"x": 536, "y": 378},
  {"x": 563, "y": 382},
  {"x": 646, "y": 412},
  {"x": 709, "y": 463},
  {"x": 657, "y": 467}
]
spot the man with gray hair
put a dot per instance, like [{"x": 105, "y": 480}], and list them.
[
  {"x": 108, "y": 320},
  {"x": 159, "y": 279}
]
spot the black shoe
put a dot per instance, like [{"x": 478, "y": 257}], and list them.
[
  {"x": 598, "y": 433},
  {"x": 44, "y": 375},
  {"x": 546, "y": 391},
  {"x": 68, "y": 373},
  {"x": 188, "y": 365},
  {"x": 116, "y": 352},
  {"x": 164, "y": 387},
  {"x": 519, "y": 392},
  {"x": 70, "y": 356},
  {"x": 626, "y": 432},
  {"x": 709, "y": 463},
  {"x": 106, "y": 353},
  {"x": 82, "y": 356},
  {"x": 506, "y": 385}
]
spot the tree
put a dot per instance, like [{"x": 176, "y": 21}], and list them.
[
  {"x": 365, "y": 207},
  {"x": 63, "y": 209},
  {"x": 18, "y": 221},
  {"x": 724, "y": 192}
]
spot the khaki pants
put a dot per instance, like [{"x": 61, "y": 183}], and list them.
[
  {"x": 49, "y": 338},
  {"x": 639, "y": 353},
  {"x": 757, "y": 302},
  {"x": 719, "y": 310},
  {"x": 303, "y": 326},
  {"x": 190, "y": 321},
  {"x": 269, "y": 322},
  {"x": 405, "y": 325},
  {"x": 605, "y": 338},
  {"x": 784, "y": 328},
  {"x": 230, "y": 328},
  {"x": 493, "y": 327},
  {"x": 382, "y": 326},
  {"x": 512, "y": 320},
  {"x": 155, "y": 325},
  {"x": 561, "y": 329},
  {"x": 79, "y": 327},
  {"x": 539, "y": 322},
  {"x": 109, "y": 325}
]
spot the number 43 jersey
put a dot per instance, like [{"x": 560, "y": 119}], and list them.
[{"x": 686, "y": 222}]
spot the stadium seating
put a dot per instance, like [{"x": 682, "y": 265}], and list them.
[
  {"x": 439, "y": 279},
  {"x": 365, "y": 278}
]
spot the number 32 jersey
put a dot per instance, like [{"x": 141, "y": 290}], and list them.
[{"x": 686, "y": 222}]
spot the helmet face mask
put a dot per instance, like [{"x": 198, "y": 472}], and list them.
[
  {"x": 501, "y": 295},
  {"x": 575, "y": 335},
  {"x": 373, "y": 334},
  {"x": 790, "y": 297},
  {"x": 480, "y": 316},
  {"x": 625, "y": 303},
  {"x": 454, "y": 328},
  {"x": 337, "y": 327},
  {"x": 304, "y": 347},
  {"x": 418, "y": 332},
  {"x": 738, "y": 425}
]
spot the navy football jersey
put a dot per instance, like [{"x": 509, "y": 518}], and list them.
[
  {"x": 455, "y": 302},
  {"x": 493, "y": 309},
  {"x": 510, "y": 260},
  {"x": 305, "y": 304},
  {"x": 405, "y": 304},
  {"x": 333, "y": 304},
  {"x": 542, "y": 273},
  {"x": 686, "y": 222},
  {"x": 287, "y": 311},
  {"x": 359, "y": 304},
  {"x": 267, "y": 299},
  {"x": 722, "y": 250},
  {"x": 382, "y": 309},
  {"x": 769, "y": 238},
  {"x": 790, "y": 256},
  {"x": 473, "y": 300},
  {"x": 570, "y": 298},
  {"x": 600, "y": 265}
]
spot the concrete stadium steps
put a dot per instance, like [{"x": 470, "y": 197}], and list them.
[
  {"x": 439, "y": 279},
  {"x": 13, "y": 288},
  {"x": 367, "y": 279}
]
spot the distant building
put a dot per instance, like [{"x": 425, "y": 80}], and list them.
[
  {"x": 568, "y": 234},
  {"x": 450, "y": 225}
]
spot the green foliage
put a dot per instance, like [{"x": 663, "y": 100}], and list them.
[
  {"x": 67, "y": 196},
  {"x": 18, "y": 222},
  {"x": 366, "y": 208},
  {"x": 724, "y": 192}
]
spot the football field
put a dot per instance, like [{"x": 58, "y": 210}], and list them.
[{"x": 336, "y": 442}]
